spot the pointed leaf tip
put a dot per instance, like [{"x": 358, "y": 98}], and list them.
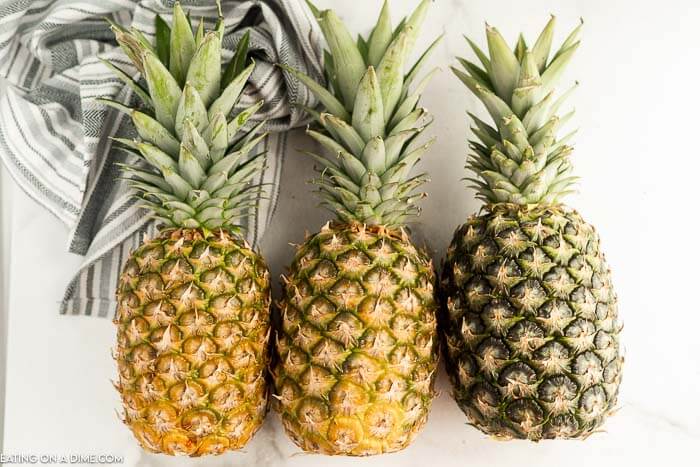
[
  {"x": 504, "y": 64},
  {"x": 204, "y": 72},
  {"x": 349, "y": 64},
  {"x": 542, "y": 48},
  {"x": 182, "y": 44},
  {"x": 381, "y": 36},
  {"x": 368, "y": 113},
  {"x": 163, "y": 89}
]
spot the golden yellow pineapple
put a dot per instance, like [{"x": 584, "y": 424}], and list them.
[
  {"x": 357, "y": 347},
  {"x": 193, "y": 327},
  {"x": 193, "y": 320}
]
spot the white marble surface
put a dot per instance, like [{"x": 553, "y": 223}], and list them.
[{"x": 637, "y": 156}]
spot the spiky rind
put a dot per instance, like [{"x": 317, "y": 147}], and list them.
[
  {"x": 357, "y": 343},
  {"x": 371, "y": 121},
  {"x": 192, "y": 342},
  {"x": 199, "y": 169},
  {"x": 530, "y": 323},
  {"x": 193, "y": 304},
  {"x": 520, "y": 159}
]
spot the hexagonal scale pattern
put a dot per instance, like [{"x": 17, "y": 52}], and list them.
[
  {"x": 192, "y": 342},
  {"x": 530, "y": 323},
  {"x": 357, "y": 344}
]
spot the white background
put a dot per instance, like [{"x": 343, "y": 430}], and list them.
[{"x": 637, "y": 154}]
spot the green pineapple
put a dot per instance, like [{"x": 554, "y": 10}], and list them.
[
  {"x": 530, "y": 320},
  {"x": 358, "y": 345},
  {"x": 193, "y": 303}
]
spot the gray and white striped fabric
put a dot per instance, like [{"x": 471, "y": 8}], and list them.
[{"x": 54, "y": 137}]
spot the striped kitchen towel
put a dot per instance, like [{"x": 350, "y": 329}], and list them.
[{"x": 54, "y": 136}]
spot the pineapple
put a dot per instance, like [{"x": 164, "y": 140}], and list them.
[
  {"x": 193, "y": 303},
  {"x": 530, "y": 317},
  {"x": 357, "y": 345}
]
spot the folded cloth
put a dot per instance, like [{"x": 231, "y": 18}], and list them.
[{"x": 54, "y": 136}]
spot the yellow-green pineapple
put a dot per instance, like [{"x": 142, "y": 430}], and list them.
[
  {"x": 357, "y": 346},
  {"x": 530, "y": 315},
  {"x": 193, "y": 303}
]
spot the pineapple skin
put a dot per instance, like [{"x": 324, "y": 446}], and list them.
[
  {"x": 530, "y": 323},
  {"x": 357, "y": 345},
  {"x": 192, "y": 342}
]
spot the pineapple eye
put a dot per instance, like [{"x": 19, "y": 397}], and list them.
[
  {"x": 518, "y": 380},
  {"x": 323, "y": 271},
  {"x": 562, "y": 426},
  {"x": 235, "y": 259},
  {"x": 558, "y": 390},
  {"x": 312, "y": 412},
  {"x": 352, "y": 261},
  {"x": 485, "y": 397},
  {"x": 149, "y": 256},
  {"x": 526, "y": 415},
  {"x": 178, "y": 268},
  {"x": 593, "y": 403},
  {"x": 320, "y": 311},
  {"x": 127, "y": 305},
  {"x": 150, "y": 285}
]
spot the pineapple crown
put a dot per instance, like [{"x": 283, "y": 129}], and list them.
[
  {"x": 520, "y": 160},
  {"x": 198, "y": 165},
  {"x": 370, "y": 119}
]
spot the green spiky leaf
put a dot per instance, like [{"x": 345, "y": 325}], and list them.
[
  {"x": 349, "y": 64},
  {"x": 381, "y": 37},
  {"x": 182, "y": 44},
  {"x": 162, "y": 40},
  {"x": 192, "y": 109},
  {"x": 228, "y": 98},
  {"x": 204, "y": 72},
  {"x": 163, "y": 89},
  {"x": 368, "y": 114},
  {"x": 520, "y": 159},
  {"x": 238, "y": 63}
]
